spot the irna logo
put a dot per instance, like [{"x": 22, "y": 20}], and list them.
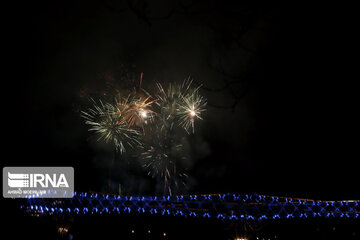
[
  {"x": 44, "y": 182},
  {"x": 22, "y": 180}
]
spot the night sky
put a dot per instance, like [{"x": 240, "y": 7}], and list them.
[{"x": 280, "y": 82}]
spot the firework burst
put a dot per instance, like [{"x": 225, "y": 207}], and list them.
[
  {"x": 161, "y": 157},
  {"x": 181, "y": 103},
  {"x": 190, "y": 108},
  {"x": 139, "y": 112},
  {"x": 106, "y": 120},
  {"x": 164, "y": 115},
  {"x": 169, "y": 99}
]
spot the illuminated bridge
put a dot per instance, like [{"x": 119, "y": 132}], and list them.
[{"x": 252, "y": 208}]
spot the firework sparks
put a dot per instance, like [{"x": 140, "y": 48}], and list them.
[
  {"x": 161, "y": 156},
  {"x": 190, "y": 108},
  {"x": 141, "y": 111},
  {"x": 163, "y": 165},
  {"x": 107, "y": 121},
  {"x": 164, "y": 116},
  {"x": 181, "y": 103},
  {"x": 170, "y": 98},
  {"x": 138, "y": 112}
]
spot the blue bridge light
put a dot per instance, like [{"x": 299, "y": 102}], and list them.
[{"x": 225, "y": 207}]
